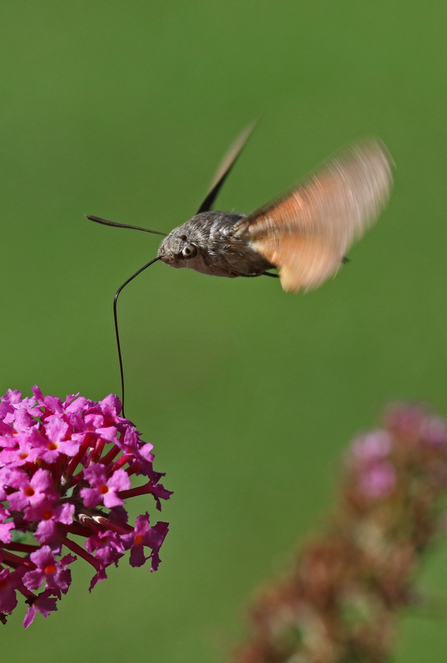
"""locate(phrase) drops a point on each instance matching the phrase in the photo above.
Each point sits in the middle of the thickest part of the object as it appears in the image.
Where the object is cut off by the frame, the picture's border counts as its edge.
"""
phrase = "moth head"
(176, 250)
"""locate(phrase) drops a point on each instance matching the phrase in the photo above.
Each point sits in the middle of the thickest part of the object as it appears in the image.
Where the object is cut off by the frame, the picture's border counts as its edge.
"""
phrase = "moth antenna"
(115, 316)
(98, 219)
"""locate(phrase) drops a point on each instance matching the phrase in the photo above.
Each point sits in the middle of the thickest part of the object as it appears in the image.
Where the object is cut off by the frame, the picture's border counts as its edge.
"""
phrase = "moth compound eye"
(189, 251)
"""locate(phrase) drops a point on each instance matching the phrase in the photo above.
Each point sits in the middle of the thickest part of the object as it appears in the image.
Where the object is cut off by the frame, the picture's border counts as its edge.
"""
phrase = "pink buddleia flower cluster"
(65, 470)
(340, 600)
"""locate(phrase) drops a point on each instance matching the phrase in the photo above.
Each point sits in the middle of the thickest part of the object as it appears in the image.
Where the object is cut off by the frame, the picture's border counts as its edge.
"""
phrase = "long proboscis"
(97, 219)
(115, 316)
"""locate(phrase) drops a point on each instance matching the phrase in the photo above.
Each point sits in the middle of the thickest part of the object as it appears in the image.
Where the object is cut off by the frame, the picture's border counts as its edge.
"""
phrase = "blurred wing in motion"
(306, 232)
(225, 167)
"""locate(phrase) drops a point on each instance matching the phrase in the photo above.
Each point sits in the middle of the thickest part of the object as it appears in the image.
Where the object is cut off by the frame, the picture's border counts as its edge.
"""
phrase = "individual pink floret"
(49, 570)
(56, 440)
(22, 451)
(10, 581)
(44, 603)
(48, 516)
(31, 491)
(107, 546)
(104, 490)
(143, 535)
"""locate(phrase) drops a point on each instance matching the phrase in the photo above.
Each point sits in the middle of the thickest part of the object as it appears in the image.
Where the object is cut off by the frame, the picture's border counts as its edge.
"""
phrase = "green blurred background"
(123, 110)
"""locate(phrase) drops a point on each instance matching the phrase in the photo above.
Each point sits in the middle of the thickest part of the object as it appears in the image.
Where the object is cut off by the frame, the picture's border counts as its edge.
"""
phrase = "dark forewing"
(225, 167)
(306, 232)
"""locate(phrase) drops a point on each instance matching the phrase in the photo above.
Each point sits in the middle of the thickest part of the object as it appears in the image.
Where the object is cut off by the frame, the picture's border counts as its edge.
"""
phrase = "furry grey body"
(223, 248)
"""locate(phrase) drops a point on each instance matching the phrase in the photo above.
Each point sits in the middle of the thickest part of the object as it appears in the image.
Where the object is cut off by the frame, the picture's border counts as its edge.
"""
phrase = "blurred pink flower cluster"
(65, 472)
(340, 600)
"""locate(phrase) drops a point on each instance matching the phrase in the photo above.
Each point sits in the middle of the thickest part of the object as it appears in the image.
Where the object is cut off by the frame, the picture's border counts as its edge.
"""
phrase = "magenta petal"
(5, 532)
(29, 617)
(64, 513)
(111, 500)
(12, 396)
(69, 447)
(91, 497)
(17, 479)
(94, 420)
(54, 404)
(107, 547)
(141, 524)
(8, 600)
(38, 394)
(6, 429)
(146, 452)
(152, 537)
(137, 557)
(42, 480)
(155, 536)
(61, 580)
(108, 433)
(18, 501)
(160, 493)
(155, 558)
(4, 513)
(131, 441)
(45, 603)
(33, 579)
(96, 474)
(110, 405)
(23, 420)
(56, 428)
(119, 481)
(43, 557)
(46, 531)
(101, 575)
(78, 405)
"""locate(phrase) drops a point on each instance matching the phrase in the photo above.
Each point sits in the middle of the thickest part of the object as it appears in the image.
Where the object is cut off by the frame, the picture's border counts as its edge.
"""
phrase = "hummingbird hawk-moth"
(304, 233)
